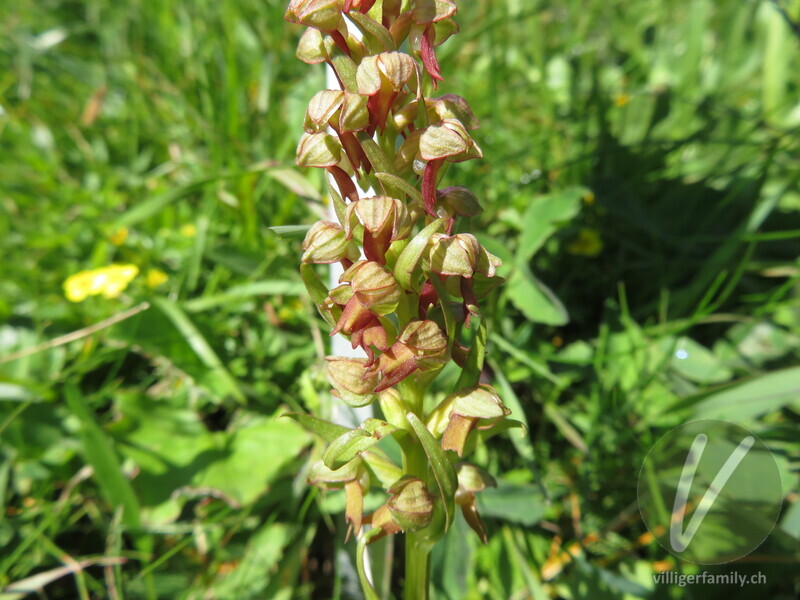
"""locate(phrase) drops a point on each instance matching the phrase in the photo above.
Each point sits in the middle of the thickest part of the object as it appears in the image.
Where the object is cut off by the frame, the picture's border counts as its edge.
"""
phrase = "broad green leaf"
(409, 257)
(694, 361)
(325, 429)
(442, 468)
(543, 217)
(523, 504)
(264, 551)
(355, 441)
(534, 299)
(753, 397)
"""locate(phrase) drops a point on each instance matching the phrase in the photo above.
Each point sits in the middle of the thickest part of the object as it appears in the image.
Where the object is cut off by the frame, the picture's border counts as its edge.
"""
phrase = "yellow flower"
(109, 281)
(621, 100)
(119, 236)
(155, 277)
(588, 198)
(588, 243)
(188, 230)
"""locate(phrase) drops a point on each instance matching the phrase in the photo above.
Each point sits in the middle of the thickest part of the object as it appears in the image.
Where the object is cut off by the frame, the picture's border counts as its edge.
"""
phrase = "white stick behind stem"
(340, 412)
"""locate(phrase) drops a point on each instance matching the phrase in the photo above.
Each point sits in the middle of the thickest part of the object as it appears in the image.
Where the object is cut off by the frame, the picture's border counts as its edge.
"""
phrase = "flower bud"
(326, 243)
(322, 106)
(459, 201)
(472, 479)
(451, 106)
(392, 69)
(353, 477)
(461, 255)
(325, 15)
(385, 220)
(353, 115)
(374, 286)
(448, 139)
(343, 111)
(432, 11)
(318, 150)
(427, 342)
(353, 382)
(476, 407)
(411, 504)
(314, 48)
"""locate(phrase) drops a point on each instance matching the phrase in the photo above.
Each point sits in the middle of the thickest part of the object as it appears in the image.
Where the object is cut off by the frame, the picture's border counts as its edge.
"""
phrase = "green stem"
(415, 463)
(418, 568)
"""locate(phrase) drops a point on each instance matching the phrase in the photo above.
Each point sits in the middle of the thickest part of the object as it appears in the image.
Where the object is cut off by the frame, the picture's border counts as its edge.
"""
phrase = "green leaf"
(543, 217)
(245, 291)
(325, 429)
(199, 345)
(442, 468)
(351, 444)
(523, 504)
(382, 468)
(753, 397)
(100, 454)
(521, 443)
(694, 361)
(376, 157)
(400, 183)
(447, 310)
(471, 373)
(290, 231)
(534, 299)
(409, 257)
(314, 285)
(294, 182)
(373, 31)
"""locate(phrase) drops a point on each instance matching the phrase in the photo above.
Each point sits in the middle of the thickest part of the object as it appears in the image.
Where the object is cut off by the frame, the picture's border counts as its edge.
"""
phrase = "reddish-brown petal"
(338, 38)
(429, 55)
(354, 317)
(429, 185)
(397, 363)
(346, 186)
(455, 436)
(470, 511)
(355, 504)
(427, 298)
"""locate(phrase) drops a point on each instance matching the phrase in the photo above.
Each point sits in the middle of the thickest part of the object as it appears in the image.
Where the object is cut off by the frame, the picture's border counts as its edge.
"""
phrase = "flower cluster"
(412, 278)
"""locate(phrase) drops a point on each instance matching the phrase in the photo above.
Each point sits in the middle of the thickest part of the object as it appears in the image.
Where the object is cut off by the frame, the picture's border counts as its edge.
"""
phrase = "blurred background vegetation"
(640, 184)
